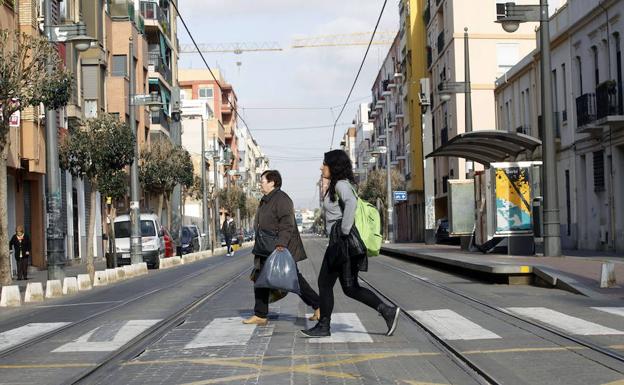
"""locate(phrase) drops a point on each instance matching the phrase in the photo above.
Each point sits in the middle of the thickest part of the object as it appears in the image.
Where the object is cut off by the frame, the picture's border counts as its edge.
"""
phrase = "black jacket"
(346, 252)
(229, 229)
(276, 213)
(20, 248)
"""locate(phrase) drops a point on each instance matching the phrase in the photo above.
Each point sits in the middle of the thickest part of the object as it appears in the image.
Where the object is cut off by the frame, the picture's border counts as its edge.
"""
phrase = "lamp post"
(152, 100)
(445, 89)
(217, 214)
(74, 33)
(514, 15)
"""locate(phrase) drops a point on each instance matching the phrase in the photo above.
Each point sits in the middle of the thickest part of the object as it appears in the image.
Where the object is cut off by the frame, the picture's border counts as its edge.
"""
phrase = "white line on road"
(452, 326)
(24, 333)
(613, 310)
(572, 325)
(223, 332)
(345, 327)
(119, 336)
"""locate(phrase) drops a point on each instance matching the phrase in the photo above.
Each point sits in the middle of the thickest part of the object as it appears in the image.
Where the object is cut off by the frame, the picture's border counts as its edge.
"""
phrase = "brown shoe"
(254, 320)
(316, 316)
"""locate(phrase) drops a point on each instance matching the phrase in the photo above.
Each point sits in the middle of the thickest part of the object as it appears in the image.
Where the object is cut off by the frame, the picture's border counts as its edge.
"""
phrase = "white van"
(153, 242)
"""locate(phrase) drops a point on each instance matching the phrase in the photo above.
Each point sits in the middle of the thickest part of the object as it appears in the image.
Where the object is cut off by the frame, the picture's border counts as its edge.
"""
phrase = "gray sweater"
(332, 209)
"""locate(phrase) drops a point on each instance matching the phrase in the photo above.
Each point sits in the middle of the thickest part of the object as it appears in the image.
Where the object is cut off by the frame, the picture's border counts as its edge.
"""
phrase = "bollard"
(53, 288)
(607, 275)
(100, 279)
(84, 282)
(70, 285)
(111, 275)
(10, 296)
(121, 273)
(34, 292)
(129, 271)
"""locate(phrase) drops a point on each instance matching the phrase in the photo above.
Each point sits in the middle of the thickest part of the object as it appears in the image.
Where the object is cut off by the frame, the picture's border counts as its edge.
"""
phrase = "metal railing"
(156, 60)
(161, 118)
(606, 99)
(440, 45)
(585, 109)
(152, 11)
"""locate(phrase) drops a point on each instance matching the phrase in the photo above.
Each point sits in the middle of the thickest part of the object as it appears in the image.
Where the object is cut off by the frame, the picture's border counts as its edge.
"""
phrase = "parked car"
(249, 235)
(189, 243)
(169, 252)
(442, 233)
(153, 243)
(200, 237)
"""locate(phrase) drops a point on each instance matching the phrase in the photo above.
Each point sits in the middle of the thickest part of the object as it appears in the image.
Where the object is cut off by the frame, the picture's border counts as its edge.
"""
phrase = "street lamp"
(514, 15)
(445, 89)
(154, 103)
(74, 33)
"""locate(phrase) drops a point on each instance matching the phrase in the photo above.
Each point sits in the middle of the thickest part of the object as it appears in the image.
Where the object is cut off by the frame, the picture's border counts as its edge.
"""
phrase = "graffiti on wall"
(513, 199)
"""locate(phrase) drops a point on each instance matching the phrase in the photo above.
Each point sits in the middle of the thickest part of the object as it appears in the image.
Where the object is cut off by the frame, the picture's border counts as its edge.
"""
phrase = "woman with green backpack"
(346, 254)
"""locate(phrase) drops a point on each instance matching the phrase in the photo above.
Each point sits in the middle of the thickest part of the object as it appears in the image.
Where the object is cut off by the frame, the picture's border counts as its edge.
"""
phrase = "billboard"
(461, 205)
(513, 195)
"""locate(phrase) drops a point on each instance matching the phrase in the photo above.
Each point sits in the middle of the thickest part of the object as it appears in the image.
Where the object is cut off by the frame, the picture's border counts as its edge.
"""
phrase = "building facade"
(588, 115)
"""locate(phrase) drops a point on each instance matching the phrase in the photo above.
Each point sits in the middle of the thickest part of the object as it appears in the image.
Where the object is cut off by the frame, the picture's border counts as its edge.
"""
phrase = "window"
(182, 95)
(205, 93)
(579, 67)
(596, 65)
(120, 66)
(599, 173)
(564, 85)
(506, 56)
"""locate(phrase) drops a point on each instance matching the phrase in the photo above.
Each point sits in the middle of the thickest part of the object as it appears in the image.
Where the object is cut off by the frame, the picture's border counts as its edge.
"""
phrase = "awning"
(488, 146)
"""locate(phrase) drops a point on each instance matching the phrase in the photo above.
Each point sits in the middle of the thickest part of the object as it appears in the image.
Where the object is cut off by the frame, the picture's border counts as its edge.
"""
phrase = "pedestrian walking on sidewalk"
(276, 229)
(20, 242)
(229, 230)
(345, 255)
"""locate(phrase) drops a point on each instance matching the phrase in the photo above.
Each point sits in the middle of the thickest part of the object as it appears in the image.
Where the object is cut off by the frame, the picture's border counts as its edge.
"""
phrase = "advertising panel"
(461, 207)
(513, 196)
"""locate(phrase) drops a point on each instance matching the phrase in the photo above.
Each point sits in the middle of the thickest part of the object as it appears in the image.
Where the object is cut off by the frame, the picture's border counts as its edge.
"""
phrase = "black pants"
(327, 279)
(228, 244)
(308, 295)
(22, 268)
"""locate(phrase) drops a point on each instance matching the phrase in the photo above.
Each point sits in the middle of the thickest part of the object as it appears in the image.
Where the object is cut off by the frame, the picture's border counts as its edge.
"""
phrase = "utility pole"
(136, 253)
(389, 182)
(176, 138)
(54, 234)
(468, 88)
(206, 226)
(215, 158)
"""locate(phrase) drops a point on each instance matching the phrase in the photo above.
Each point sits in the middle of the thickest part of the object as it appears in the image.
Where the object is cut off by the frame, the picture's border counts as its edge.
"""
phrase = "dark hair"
(273, 176)
(226, 214)
(340, 167)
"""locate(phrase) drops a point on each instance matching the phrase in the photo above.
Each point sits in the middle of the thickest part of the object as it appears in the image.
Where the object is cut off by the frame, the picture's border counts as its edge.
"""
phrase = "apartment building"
(347, 143)
(588, 116)
(492, 53)
(363, 131)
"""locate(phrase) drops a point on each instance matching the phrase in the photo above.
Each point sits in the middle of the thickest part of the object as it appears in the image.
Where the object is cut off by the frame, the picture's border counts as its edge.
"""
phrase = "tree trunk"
(160, 206)
(5, 262)
(169, 211)
(90, 235)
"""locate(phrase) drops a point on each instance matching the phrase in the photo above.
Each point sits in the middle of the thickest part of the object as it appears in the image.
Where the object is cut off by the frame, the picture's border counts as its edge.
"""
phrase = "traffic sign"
(400, 195)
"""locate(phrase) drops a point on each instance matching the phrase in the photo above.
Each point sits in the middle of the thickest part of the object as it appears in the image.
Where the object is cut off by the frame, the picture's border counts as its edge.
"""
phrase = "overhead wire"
(188, 31)
(358, 73)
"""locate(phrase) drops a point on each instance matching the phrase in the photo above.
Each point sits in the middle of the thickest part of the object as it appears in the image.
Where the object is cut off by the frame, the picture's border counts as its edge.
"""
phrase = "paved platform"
(575, 271)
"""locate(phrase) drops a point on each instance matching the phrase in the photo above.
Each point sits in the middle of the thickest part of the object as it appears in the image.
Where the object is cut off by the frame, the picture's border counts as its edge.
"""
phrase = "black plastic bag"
(279, 272)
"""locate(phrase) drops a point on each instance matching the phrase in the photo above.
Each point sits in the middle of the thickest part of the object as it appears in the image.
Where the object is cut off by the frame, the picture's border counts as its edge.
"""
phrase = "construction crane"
(236, 48)
(343, 40)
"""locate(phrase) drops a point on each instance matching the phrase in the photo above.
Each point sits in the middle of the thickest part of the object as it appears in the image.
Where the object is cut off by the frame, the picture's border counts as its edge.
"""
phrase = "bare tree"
(24, 82)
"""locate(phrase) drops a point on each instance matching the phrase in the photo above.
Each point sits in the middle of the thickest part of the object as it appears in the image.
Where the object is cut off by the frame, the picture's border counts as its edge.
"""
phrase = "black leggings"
(326, 281)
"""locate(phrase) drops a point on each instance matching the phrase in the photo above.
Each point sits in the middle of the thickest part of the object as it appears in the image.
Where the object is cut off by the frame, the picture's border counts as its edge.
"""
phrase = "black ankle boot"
(321, 329)
(391, 315)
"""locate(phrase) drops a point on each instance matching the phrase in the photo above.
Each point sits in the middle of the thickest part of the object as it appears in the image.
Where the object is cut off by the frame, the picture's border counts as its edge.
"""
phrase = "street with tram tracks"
(183, 326)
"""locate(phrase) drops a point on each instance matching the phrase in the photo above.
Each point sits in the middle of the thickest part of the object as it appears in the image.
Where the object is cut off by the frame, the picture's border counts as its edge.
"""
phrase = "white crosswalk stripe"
(27, 332)
(561, 321)
(107, 338)
(345, 327)
(612, 310)
(451, 326)
(223, 332)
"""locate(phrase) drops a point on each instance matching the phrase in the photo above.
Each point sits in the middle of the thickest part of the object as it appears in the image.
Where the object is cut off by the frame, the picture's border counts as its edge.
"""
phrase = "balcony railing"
(156, 60)
(606, 100)
(161, 118)
(429, 57)
(151, 11)
(427, 14)
(585, 109)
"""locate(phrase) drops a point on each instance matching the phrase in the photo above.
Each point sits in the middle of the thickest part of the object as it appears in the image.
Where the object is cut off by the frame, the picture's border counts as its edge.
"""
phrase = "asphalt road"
(211, 346)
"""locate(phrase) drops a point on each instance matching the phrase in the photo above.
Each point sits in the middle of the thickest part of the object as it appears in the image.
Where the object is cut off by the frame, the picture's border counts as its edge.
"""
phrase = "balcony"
(399, 112)
(586, 114)
(427, 14)
(385, 90)
(608, 112)
(429, 57)
(124, 10)
(161, 119)
(440, 44)
(156, 63)
(154, 15)
(391, 84)
(392, 122)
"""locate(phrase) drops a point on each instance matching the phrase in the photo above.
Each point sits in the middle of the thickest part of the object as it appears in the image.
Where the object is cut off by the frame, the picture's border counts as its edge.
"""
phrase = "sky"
(292, 88)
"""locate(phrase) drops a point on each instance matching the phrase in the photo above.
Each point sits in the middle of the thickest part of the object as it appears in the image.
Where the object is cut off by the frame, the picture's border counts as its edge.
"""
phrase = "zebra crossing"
(346, 328)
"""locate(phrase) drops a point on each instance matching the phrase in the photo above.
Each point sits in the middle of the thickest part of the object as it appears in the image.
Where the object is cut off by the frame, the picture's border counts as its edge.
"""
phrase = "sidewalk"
(37, 275)
(580, 270)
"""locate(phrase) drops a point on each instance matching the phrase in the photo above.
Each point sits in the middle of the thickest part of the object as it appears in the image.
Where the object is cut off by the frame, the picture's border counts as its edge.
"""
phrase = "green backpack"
(368, 224)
